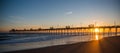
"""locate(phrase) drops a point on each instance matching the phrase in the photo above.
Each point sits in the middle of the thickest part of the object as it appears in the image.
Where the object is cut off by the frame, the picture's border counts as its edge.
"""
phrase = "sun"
(97, 30)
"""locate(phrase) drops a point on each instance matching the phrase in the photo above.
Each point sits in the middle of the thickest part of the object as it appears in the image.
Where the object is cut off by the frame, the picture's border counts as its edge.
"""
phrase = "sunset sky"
(20, 14)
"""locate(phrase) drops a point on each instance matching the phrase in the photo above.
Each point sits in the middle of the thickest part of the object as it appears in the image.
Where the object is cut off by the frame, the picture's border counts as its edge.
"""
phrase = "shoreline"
(106, 45)
(33, 45)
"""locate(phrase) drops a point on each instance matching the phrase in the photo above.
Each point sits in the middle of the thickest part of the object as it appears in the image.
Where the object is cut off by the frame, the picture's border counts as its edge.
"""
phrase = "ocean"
(22, 41)
(11, 38)
(8, 38)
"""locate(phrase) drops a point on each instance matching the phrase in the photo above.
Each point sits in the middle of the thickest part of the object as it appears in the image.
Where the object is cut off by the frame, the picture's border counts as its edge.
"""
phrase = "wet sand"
(105, 45)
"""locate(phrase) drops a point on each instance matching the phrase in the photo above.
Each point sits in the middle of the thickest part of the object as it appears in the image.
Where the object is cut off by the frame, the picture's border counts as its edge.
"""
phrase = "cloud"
(69, 13)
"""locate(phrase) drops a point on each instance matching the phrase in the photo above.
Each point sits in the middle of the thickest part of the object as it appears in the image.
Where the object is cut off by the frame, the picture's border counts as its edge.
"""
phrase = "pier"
(90, 30)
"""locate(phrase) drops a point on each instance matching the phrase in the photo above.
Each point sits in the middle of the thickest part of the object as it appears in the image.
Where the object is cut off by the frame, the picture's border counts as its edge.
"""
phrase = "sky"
(20, 14)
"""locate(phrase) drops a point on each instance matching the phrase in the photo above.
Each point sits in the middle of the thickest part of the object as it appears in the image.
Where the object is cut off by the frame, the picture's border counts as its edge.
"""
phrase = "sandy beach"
(105, 45)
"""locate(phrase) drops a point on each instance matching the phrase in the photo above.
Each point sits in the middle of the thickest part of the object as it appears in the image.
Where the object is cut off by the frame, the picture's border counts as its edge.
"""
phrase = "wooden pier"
(73, 30)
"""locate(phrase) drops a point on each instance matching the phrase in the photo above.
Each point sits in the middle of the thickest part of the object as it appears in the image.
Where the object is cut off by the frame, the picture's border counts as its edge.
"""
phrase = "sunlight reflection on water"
(97, 37)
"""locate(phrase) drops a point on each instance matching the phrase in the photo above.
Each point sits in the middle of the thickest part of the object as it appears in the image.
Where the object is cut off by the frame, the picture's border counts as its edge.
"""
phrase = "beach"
(104, 45)
(60, 26)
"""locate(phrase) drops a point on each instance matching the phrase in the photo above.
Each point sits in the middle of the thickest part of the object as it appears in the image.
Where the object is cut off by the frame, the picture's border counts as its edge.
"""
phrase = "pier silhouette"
(71, 30)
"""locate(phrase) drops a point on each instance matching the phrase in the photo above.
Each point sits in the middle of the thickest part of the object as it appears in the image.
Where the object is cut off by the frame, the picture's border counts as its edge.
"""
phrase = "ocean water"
(8, 38)
(13, 42)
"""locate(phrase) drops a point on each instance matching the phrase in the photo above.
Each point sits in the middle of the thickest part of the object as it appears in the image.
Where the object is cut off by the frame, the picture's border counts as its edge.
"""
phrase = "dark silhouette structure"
(70, 30)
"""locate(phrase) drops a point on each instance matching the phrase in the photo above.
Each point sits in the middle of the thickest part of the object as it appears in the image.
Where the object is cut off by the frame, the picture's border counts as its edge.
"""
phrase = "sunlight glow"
(97, 37)
(96, 30)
